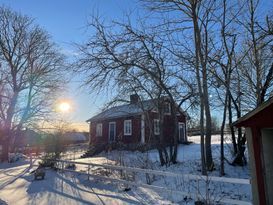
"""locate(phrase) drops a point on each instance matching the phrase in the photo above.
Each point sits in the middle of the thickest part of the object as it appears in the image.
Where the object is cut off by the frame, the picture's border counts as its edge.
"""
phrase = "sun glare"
(64, 107)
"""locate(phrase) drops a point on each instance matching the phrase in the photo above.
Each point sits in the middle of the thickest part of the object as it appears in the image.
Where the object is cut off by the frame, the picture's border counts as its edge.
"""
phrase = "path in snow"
(17, 187)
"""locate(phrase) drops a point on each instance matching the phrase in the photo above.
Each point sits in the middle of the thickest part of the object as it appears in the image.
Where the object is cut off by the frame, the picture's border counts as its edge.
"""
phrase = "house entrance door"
(181, 131)
(112, 131)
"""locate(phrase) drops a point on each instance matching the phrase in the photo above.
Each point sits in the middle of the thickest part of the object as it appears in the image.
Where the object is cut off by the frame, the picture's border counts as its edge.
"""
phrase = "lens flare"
(64, 107)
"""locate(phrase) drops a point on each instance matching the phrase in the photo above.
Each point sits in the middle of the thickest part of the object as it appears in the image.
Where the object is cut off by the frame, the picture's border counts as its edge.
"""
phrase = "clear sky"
(65, 21)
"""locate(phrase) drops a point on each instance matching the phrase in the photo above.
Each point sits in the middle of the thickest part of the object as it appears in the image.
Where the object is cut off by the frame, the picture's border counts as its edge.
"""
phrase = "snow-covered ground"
(18, 187)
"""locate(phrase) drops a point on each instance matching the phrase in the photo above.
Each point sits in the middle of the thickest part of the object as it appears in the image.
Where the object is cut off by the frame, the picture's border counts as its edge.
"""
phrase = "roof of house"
(125, 110)
(254, 112)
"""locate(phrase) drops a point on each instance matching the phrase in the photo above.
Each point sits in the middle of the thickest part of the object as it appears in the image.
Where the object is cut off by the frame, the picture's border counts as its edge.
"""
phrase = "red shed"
(259, 133)
(134, 122)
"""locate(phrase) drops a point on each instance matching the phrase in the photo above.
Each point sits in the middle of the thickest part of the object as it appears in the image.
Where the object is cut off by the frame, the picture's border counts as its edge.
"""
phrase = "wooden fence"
(185, 177)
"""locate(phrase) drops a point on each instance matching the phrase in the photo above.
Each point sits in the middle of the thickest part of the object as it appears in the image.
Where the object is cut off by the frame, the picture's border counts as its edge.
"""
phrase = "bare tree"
(220, 54)
(258, 64)
(30, 73)
(198, 17)
(253, 72)
(223, 64)
(135, 61)
(247, 74)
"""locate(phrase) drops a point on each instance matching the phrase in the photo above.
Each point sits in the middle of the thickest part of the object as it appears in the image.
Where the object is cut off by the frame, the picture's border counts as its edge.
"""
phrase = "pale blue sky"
(65, 21)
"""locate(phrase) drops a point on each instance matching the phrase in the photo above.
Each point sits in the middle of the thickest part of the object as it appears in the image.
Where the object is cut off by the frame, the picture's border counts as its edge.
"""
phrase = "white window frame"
(156, 127)
(129, 131)
(99, 130)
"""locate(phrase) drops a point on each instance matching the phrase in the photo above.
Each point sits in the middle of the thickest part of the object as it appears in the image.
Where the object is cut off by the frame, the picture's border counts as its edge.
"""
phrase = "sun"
(64, 107)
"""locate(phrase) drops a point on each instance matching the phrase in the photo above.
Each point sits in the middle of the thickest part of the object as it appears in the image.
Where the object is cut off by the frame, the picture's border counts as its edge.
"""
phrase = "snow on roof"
(124, 110)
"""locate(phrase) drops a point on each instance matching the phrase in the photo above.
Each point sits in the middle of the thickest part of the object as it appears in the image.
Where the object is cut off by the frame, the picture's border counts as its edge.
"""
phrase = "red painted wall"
(134, 138)
(263, 119)
(168, 130)
(257, 147)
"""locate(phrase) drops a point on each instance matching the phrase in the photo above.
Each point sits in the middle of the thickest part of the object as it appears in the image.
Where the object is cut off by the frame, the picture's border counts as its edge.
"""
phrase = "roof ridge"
(125, 105)
(118, 109)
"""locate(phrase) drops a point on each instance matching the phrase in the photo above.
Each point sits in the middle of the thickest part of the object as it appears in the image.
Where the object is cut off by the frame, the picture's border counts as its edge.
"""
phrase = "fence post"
(88, 171)
(62, 166)
(31, 163)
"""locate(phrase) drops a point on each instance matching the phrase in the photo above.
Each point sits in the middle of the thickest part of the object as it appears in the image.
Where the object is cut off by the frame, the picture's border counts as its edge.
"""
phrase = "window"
(167, 108)
(127, 127)
(156, 127)
(99, 130)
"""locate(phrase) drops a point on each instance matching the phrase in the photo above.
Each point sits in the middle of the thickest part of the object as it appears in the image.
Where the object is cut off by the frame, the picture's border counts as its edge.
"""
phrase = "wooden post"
(62, 166)
(30, 164)
(88, 171)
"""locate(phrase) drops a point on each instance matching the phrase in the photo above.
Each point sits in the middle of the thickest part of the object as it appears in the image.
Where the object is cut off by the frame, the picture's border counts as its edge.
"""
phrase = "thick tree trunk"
(204, 88)
(163, 153)
(240, 158)
(8, 125)
(222, 155)
(200, 90)
(232, 131)
(161, 158)
(173, 155)
(209, 161)
(202, 143)
(5, 154)
(202, 138)
(5, 150)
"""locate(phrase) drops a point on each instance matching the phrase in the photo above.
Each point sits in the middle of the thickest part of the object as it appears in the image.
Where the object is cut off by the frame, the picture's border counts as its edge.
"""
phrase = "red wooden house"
(136, 122)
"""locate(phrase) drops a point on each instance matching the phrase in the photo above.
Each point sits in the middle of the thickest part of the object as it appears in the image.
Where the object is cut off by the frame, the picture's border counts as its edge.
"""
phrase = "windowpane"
(99, 129)
(156, 127)
(127, 127)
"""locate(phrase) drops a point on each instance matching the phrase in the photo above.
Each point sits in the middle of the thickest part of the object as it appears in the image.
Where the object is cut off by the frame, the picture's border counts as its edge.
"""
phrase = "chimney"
(134, 99)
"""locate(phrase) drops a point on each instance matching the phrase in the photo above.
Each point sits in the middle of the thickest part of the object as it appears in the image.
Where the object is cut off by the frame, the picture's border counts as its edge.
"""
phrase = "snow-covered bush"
(71, 166)
(48, 160)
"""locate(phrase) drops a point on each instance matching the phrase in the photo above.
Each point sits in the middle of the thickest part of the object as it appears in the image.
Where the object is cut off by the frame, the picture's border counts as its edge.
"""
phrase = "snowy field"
(17, 185)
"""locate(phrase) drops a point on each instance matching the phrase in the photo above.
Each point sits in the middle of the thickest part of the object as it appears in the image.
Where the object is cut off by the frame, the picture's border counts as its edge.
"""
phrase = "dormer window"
(167, 108)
